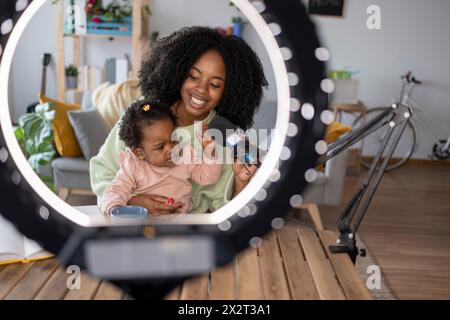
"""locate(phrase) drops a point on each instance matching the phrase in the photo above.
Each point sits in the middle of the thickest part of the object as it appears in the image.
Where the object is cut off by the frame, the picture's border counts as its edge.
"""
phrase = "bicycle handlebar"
(414, 80)
(409, 78)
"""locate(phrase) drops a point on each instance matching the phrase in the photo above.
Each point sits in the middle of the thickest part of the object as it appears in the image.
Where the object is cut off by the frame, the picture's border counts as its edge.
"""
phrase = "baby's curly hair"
(164, 71)
(140, 114)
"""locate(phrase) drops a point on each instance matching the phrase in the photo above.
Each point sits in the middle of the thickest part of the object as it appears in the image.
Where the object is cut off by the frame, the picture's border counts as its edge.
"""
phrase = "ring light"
(164, 247)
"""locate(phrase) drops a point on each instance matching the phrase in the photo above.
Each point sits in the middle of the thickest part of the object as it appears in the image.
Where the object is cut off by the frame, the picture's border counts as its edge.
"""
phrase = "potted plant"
(71, 76)
(35, 136)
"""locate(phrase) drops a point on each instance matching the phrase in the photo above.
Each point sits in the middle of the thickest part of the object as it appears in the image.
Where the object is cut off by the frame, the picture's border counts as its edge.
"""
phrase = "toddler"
(147, 166)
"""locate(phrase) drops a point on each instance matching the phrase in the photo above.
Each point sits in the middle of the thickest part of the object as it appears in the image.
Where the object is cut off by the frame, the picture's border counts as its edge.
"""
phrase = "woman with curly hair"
(200, 74)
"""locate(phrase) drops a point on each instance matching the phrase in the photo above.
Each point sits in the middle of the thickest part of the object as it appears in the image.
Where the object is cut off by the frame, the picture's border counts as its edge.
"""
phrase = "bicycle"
(407, 145)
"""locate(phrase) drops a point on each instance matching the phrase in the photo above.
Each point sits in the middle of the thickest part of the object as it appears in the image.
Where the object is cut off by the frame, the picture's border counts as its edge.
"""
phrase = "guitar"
(46, 59)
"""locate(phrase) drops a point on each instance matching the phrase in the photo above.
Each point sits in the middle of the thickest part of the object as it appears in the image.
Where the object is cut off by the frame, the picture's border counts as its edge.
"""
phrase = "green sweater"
(105, 165)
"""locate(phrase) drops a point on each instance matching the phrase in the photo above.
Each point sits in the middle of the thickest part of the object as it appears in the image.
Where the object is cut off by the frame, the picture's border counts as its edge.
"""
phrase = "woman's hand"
(155, 204)
(242, 175)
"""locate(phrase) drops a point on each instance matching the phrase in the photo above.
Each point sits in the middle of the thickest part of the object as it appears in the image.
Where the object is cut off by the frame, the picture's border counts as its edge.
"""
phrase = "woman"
(199, 73)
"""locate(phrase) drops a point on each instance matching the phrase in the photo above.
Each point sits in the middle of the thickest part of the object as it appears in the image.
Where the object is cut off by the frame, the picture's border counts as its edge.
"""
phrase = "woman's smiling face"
(203, 88)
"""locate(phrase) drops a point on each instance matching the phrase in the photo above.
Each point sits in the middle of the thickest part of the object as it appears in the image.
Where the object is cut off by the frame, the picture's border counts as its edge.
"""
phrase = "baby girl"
(147, 167)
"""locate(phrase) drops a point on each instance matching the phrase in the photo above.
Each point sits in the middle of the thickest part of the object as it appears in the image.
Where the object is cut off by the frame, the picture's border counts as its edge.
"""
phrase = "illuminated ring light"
(298, 63)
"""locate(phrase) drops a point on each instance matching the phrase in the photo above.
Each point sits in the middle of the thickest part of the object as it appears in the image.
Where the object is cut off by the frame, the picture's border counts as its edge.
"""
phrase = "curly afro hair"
(164, 71)
(138, 116)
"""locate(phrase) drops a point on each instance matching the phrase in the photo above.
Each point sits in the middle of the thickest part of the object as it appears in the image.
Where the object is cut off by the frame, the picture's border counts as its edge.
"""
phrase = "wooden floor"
(291, 263)
(407, 229)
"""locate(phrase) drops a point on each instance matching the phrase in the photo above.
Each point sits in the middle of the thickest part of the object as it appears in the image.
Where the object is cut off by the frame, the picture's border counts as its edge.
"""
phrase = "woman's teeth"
(198, 102)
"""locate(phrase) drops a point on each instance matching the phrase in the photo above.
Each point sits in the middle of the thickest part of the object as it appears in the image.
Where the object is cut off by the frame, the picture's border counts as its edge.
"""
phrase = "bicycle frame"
(405, 98)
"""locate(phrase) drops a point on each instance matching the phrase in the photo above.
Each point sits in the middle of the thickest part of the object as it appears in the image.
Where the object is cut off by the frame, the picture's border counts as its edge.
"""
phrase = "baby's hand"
(204, 137)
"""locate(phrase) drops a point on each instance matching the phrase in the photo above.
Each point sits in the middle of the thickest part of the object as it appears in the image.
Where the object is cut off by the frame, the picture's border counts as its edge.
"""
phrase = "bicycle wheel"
(439, 151)
(372, 143)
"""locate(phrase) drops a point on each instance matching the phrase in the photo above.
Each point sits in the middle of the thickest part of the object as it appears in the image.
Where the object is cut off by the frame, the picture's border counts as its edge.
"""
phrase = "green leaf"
(20, 135)
(30, 148)
(49, 182)
(44, 107)
(40, 159)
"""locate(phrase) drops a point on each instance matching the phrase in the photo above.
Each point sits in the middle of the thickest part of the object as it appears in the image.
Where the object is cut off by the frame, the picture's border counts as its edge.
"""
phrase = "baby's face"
(157, 145)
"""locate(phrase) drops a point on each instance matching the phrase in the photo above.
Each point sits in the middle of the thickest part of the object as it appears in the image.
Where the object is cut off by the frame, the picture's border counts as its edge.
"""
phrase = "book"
(15, 247)
(95, 77)
(75, 19)
(116, 70)
(121, 70)
(80, 17)
(69, 16)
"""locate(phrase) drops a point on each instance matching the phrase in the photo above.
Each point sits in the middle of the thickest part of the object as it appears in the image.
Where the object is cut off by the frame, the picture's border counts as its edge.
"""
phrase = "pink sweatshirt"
(140, 177)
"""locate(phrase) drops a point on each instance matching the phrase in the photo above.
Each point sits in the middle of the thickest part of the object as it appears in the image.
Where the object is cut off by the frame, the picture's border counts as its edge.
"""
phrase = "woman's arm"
(119, 192)
(105, 165)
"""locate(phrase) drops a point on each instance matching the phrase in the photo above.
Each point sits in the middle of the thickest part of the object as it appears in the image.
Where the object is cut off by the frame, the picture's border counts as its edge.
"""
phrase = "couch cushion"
(111, 100)
(65, 141)
(71, 164)
(335, 130)
(90, 129)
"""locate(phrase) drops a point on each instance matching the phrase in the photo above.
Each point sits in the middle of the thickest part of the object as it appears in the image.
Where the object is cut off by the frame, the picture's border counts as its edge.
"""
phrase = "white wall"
(414, 36)
(25, 80)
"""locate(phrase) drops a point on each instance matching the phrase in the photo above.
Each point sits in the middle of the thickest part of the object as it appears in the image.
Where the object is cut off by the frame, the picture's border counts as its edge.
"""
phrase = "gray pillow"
(86, 101)
(90, 129)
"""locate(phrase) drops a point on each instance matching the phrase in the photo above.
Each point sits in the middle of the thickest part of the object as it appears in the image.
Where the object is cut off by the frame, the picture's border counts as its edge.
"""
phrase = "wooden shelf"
(96, 36)
(140, 45)
(74, 91)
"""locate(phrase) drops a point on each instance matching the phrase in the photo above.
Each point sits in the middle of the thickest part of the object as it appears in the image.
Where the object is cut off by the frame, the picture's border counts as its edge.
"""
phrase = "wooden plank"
(322, 273)
(108, 291)
(415, 265)
(136, 37)
(195, 288)
(299, 276)
(30, 284)
(222, 282)
(273, 275)
(56, 286)
(88, 288)
(11, 275)
(346, 272)
(248, 276)
(59, 63)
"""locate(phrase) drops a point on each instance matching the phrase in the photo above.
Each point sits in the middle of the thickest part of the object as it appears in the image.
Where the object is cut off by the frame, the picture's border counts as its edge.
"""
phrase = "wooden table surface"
(291, 263)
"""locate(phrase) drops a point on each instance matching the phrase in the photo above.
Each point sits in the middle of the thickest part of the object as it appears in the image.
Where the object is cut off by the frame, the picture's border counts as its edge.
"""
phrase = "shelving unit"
(140, 45)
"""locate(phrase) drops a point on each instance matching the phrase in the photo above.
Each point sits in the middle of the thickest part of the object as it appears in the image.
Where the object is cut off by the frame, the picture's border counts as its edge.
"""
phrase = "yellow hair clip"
(146, 107)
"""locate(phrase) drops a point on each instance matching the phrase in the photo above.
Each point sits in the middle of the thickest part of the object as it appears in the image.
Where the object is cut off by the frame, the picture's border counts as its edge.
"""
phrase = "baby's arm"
(119, 192)
(207, 172)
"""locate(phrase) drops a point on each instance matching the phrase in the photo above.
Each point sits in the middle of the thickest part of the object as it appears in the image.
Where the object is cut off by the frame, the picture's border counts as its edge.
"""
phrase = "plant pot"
(71, 82)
